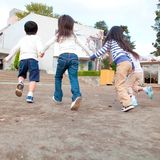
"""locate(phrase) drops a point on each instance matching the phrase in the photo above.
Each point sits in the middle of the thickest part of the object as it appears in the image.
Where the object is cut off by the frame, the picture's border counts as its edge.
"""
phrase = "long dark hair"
(65, 26)
(116, 33)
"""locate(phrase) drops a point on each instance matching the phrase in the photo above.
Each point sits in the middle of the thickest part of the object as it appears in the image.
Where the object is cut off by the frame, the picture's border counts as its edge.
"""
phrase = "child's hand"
(41, 55)
(5, 60)
(93, 57)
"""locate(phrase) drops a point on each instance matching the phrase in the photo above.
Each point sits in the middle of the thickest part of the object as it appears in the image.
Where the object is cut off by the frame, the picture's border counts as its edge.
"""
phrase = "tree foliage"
(37, 8)
(101, 25)
(156, 27)
(128, 37)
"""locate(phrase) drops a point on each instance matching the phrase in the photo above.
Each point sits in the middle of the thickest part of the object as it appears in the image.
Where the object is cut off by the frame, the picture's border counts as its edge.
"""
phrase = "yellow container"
(106, 76)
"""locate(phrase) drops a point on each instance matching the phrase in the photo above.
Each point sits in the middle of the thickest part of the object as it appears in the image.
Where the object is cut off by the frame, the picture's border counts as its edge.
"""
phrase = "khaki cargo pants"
(123, 69)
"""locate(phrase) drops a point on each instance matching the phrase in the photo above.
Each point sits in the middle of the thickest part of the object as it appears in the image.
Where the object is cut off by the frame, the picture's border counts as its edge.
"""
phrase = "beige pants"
(122, 71)
(134, 80)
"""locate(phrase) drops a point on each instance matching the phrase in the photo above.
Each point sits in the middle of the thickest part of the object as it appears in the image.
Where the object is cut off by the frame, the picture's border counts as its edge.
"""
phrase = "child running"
(29, 46)
(135, 80)
(119, 49)
(67, 59)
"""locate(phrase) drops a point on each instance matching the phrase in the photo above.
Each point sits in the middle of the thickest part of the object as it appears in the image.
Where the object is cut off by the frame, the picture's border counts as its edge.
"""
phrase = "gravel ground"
(97, 131)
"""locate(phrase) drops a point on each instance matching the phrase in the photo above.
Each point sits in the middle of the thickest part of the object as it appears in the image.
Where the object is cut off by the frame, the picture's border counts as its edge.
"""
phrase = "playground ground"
(97, 131)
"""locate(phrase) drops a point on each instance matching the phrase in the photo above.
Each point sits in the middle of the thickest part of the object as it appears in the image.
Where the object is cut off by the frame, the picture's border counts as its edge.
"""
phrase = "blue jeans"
(67, 61)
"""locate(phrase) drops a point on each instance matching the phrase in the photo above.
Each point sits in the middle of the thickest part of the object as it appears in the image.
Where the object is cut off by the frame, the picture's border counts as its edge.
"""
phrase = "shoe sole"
(19, 90)
(127, 108)
(76, 106)
(29, 101)
(56, 102)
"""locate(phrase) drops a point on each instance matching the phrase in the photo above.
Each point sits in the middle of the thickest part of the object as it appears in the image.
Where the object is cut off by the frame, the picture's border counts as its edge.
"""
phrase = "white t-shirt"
(66, 45)
(29, 46)
(136, 63)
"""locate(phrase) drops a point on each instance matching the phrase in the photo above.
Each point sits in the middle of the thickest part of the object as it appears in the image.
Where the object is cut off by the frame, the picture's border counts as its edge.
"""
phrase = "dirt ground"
(97, 131)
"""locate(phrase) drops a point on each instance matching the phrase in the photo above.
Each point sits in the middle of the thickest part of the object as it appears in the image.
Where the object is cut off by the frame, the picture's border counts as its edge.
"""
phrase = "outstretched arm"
(13, 51)
(105, 49)
(84, 47)
(40, 47)
(48, 44)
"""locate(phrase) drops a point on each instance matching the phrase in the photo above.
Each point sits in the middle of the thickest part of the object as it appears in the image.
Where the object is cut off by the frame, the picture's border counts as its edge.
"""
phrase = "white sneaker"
(76, 104)
(57, 102)
(126, 109)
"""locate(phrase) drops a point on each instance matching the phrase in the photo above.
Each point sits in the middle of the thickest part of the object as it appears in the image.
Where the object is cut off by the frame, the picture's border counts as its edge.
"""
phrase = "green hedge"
(89, 73)
(106, 65)
(16, 60)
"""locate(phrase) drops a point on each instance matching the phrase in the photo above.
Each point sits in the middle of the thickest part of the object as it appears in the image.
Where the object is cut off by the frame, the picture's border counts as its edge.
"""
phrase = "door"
(1, 64)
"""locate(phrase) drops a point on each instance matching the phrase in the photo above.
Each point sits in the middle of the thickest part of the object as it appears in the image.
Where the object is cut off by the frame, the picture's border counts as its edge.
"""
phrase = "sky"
(138, 15)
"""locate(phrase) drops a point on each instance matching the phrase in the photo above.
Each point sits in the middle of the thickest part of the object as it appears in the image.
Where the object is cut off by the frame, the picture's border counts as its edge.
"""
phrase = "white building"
(12, 16)
(47, 27)
(151, 72)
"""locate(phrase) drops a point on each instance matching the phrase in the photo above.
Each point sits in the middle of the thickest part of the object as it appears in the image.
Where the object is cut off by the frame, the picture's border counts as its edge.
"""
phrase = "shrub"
(89, 73)
(16, 60)
(107, 65)
(12, 68)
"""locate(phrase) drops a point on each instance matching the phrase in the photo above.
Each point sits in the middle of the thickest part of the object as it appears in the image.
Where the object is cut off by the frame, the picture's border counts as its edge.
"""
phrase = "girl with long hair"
(119, 49)
(67, 59)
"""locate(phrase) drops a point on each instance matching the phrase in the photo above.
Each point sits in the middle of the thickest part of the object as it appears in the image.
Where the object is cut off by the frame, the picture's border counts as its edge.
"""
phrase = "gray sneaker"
(76, 104)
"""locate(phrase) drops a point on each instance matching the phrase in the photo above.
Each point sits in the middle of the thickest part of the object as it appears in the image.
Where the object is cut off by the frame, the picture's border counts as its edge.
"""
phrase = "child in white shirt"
(135, 81)
(68, 59)
(30, 47)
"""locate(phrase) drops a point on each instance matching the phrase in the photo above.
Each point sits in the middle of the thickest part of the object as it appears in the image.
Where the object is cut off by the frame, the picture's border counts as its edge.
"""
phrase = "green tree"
(15, 64)
(37, 8)
(128, 37)
(101, 25)
(156, 27)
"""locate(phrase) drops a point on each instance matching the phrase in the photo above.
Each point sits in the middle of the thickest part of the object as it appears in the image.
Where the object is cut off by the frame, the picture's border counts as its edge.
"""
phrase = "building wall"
(151, 72)
(47, 27)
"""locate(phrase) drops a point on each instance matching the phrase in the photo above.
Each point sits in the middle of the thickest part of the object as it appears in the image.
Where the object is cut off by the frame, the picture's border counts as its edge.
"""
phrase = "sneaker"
(134, 101)
(149, 91)
(29, 99)
(76, 104)
(126, 109)
(19, 89)
(57, 102)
